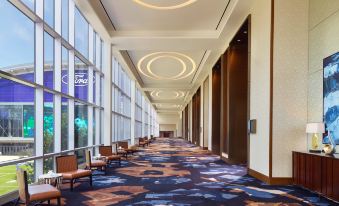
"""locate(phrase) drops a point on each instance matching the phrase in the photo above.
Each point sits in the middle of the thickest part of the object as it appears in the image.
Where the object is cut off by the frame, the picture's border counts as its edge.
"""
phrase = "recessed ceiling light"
(160, 94)
(152, 6)
(245, 32)
(238, 40)
(181, 58)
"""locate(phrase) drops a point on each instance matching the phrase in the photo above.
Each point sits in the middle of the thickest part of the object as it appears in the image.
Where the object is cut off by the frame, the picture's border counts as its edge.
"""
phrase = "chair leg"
(49, 202)
(59, 201)
(17, 201)
(91, 180)
(71, 184)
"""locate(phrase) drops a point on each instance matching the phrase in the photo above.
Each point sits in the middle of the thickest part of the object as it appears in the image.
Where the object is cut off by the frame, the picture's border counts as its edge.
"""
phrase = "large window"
(64, 124)
(81, 33)
(16, 42)
(121, 100)
(80, 125)
(81, 80)
(16, 118)
(48, 61)
(138, 113)
(64, 18)
(49, 12)
(48, 123)
(64, 70)
(37, 121)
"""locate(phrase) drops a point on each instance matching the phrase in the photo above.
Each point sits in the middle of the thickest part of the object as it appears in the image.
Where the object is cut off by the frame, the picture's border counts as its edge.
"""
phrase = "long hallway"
(175, 172)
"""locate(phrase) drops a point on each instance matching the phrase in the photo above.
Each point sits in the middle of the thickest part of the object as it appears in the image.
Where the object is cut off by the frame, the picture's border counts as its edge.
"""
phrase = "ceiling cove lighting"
(152, 6)
(176, 94)
(181, 58)
(168, 106)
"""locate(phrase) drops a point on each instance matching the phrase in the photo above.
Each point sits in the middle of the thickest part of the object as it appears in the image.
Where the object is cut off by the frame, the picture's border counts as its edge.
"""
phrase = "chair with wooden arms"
(124, 146)
(67, 165)
(142, 142)
(94, 164)
(130, 150)
(35, 193)
(108, 153)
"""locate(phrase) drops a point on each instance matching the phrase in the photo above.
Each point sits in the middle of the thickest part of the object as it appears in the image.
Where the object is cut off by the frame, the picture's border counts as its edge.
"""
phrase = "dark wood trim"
(281, 181)
(270, 180)
(271, 92)
(258, 175)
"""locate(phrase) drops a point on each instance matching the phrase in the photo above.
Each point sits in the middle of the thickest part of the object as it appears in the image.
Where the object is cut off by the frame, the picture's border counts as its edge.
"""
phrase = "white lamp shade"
(316, 127)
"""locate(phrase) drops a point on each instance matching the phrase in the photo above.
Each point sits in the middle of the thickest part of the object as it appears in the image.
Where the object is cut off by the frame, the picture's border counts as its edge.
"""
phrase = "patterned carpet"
(174, 172)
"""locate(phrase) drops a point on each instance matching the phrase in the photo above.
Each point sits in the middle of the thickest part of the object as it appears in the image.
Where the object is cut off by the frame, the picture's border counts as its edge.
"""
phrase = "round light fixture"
(168, 106)
(181, 58)
(183, 70)
(177, 94)
(152, 6)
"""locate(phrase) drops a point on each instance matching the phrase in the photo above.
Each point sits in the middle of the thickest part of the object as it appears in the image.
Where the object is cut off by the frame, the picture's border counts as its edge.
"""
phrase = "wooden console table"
(317, 172)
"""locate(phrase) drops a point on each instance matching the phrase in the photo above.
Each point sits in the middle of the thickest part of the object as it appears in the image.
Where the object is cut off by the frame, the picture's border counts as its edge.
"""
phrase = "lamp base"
(314, 151)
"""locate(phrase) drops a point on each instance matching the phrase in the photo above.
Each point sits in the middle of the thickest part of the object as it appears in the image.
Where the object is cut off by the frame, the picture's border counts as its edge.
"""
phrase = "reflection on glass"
(65, 18)
(94, 87)
(48, 122)
(94, 126)
(64, 72)
(102, 56)
(94, 47)
(80, 125)
(81, 33)
(48, 61)
(29, 3)
(49, 12)
(16, 120)
(16, 42)
(81, 80)
(64, 123)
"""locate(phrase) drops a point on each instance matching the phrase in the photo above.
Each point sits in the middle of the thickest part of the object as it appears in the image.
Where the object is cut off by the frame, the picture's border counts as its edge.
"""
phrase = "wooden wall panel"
(317, 172)
(216, 89)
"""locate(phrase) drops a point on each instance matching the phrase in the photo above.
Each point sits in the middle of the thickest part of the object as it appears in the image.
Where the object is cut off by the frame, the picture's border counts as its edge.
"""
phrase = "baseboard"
(258, 175)
(281, 181)
(272, 180)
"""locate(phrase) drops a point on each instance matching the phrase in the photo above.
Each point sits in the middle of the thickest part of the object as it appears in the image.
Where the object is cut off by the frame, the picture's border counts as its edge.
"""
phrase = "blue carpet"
(174, 172)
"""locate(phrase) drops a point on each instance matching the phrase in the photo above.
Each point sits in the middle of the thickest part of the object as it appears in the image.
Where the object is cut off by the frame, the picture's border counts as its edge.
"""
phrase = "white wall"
(168, 127)
(290, 65)
(260, 84)
(323, 42)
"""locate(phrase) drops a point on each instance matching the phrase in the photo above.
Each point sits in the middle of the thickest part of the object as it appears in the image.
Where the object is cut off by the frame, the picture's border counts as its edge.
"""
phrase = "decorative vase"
(329, 149)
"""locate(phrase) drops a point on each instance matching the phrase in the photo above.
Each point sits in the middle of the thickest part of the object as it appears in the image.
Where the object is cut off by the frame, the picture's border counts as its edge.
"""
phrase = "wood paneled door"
(216, 91)
(196, 116)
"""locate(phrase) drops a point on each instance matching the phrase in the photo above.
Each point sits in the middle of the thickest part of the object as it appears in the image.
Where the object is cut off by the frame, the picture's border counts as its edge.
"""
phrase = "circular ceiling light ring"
(178, 94)
(149, 69)
(161, 53)
(152, 6)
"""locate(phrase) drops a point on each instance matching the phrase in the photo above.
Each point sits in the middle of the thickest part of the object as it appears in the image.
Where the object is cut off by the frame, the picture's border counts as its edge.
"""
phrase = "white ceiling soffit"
(133, 15)
(169, 45)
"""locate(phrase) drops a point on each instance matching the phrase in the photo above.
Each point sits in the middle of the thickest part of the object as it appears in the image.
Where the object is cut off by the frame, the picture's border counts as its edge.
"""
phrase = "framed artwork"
(331, 97)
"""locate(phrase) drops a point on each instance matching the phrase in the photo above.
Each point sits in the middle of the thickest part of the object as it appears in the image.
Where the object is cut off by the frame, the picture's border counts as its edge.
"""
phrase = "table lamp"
(315, 128)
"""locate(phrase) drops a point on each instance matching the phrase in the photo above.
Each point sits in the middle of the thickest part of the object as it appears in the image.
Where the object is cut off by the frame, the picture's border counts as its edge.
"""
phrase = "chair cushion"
(114, 157)
(43, 192)
(76, 174)
(98, 163)
(122, 152)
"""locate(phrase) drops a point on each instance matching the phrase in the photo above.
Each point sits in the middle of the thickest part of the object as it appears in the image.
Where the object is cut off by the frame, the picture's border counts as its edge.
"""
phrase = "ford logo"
(80, 79)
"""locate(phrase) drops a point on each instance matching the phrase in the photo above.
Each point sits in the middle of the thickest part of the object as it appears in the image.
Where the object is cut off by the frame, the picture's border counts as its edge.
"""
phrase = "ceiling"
(169, 45)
